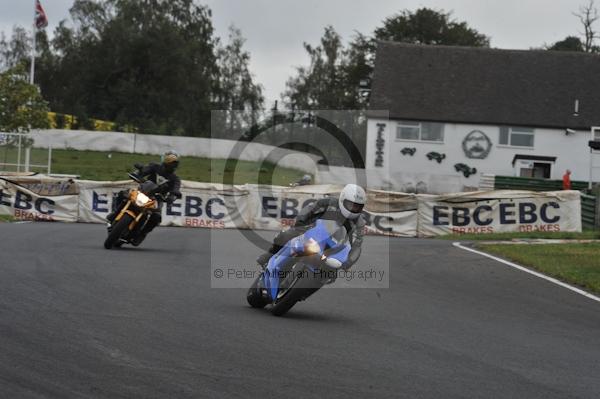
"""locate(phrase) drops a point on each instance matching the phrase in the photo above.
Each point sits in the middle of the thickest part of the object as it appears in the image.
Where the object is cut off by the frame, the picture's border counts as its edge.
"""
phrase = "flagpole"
(31, 73)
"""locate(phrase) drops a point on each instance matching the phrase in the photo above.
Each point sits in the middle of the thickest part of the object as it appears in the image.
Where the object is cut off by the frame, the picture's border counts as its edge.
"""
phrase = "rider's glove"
(171, 198)
(297, 246)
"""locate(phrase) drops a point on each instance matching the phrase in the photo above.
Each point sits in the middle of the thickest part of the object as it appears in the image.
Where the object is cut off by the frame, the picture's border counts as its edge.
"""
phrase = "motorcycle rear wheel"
(117, 231)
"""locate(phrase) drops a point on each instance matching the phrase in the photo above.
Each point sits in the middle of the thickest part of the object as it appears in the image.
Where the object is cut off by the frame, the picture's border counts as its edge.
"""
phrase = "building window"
(516, 136)
(420, 131)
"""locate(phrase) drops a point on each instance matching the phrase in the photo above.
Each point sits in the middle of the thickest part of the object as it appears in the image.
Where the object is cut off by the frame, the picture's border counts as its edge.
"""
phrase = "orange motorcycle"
(134, 214)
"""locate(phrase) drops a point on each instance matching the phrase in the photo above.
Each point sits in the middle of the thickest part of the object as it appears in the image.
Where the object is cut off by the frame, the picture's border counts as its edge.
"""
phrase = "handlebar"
(141, 180)
(135, 178)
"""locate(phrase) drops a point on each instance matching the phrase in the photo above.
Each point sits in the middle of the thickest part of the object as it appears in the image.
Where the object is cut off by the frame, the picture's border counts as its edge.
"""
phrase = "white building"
(443, 116)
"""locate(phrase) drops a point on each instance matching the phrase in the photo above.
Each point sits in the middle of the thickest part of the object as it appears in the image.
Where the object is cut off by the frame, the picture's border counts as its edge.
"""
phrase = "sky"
(276, 29)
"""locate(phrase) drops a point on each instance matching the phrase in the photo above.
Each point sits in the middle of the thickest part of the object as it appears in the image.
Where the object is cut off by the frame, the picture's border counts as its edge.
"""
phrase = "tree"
(152, 64)
(236, 89)
(427, 26)
(588, 15)
(147, 63)
(330, 82)
(21, 104)
(16, 51)
(336, 74)
(325, 83)
(570, 43)
(358, 70)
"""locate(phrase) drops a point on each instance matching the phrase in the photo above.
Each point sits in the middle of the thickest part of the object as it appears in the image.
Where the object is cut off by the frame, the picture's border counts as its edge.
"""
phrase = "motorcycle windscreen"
(148, 187)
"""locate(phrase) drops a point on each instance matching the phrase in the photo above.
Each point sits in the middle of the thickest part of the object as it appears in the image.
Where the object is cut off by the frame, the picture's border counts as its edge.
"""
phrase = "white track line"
(526, 270)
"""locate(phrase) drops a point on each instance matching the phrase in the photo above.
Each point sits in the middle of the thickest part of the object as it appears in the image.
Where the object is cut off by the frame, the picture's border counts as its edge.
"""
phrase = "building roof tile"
(487, 86)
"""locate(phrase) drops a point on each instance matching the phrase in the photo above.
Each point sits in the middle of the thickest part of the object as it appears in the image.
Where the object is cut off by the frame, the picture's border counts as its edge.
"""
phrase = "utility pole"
(32, 71)
(275, 116)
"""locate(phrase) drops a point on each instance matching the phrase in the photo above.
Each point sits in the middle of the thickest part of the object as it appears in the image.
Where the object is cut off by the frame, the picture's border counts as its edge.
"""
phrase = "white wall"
(571, 152)
(383, 179)
(187, 146)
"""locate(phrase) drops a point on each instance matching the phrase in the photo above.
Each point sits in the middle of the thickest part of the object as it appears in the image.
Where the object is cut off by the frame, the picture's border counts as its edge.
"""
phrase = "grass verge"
(585, 235)
(577, 264)
(97, 165)
(6, 218)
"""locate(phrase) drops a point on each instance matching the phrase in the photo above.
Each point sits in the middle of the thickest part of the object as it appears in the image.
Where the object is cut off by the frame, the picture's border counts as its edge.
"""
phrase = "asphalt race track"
(79, 321)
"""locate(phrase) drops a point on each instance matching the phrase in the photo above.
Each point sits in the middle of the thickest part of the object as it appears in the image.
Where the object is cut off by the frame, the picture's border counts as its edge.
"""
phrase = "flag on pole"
(41, 21)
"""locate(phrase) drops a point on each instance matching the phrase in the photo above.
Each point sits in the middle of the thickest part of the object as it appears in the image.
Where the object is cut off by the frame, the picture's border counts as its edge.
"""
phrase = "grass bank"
(6, 218)
(577, 264)
(585, 235)
(97, 165)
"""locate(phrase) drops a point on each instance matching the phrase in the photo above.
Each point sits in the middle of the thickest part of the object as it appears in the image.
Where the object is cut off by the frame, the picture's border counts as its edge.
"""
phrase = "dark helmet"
(306, 179)
(170, 161)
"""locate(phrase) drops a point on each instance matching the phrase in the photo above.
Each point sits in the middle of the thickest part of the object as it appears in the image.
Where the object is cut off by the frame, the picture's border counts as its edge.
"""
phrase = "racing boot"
(109, 220)
(263, 260)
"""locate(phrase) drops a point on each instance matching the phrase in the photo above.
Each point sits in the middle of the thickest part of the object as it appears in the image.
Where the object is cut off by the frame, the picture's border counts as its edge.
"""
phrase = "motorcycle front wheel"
(301, 288)
(117, 231)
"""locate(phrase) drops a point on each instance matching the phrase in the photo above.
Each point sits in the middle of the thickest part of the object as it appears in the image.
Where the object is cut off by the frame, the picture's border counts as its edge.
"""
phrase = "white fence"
(15, 153)
(272, 207)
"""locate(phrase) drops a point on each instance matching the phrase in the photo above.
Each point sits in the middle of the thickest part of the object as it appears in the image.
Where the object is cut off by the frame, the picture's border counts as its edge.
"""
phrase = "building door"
(533, 166)
(541, 170)
(537, 170)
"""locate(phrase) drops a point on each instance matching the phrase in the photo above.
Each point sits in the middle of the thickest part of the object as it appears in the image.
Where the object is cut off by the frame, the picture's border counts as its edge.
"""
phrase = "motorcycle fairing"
(333, 242)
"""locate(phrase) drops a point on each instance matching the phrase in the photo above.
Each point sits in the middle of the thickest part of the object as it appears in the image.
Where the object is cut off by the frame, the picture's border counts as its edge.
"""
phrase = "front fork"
(136, 216)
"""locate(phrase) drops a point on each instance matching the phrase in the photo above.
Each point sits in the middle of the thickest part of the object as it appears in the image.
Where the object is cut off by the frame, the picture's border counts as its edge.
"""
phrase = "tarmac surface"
(79, 321)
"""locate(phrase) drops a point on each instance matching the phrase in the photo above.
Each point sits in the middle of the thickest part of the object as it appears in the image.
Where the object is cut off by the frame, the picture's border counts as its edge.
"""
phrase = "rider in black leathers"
(159, 174)
(347, 210)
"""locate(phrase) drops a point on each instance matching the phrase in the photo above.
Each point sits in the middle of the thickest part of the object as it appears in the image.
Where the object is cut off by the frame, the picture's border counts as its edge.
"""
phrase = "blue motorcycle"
(300, 268)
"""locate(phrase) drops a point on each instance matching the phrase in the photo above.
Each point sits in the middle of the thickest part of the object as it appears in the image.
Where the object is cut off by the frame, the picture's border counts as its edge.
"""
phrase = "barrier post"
(27, 158)
(19, 152)
(49, 158)
(596, 194)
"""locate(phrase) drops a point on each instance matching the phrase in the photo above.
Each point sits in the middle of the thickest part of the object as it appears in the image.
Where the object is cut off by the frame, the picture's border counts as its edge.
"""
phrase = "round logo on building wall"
(477, 145)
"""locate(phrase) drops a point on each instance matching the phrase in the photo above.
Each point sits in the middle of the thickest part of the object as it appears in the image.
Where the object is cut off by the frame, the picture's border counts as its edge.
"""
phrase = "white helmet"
(352, 200)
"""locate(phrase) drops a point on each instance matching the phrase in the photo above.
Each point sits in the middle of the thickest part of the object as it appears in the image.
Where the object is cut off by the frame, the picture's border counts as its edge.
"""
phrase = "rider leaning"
(159, 174)
(347, 210)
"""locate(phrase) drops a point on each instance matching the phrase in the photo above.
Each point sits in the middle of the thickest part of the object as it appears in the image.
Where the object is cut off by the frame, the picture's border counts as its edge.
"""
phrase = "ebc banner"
(277, 208)
(499, 211)
(25, 204)
(201, 205)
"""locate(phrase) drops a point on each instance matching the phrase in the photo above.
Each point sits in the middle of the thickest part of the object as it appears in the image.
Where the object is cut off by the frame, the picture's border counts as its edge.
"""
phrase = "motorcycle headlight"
(142, 199)
(333, 263)
(311, 247)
